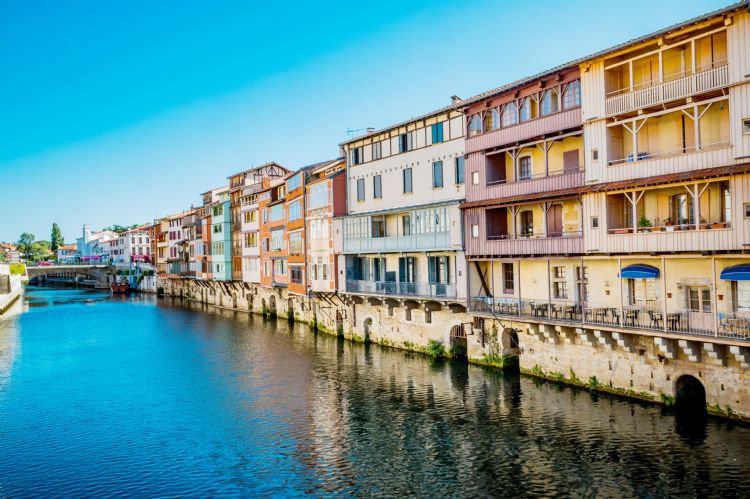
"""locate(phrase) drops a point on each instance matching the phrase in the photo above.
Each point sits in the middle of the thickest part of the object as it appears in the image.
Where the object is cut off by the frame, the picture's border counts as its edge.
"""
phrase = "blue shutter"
(432, 263)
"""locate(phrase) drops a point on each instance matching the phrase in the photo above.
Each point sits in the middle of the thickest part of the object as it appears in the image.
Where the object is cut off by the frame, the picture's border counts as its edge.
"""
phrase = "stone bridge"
(99, 276)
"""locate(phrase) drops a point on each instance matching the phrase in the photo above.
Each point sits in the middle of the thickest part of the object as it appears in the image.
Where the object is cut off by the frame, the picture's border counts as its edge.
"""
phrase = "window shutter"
(432, 261)
(401, 269)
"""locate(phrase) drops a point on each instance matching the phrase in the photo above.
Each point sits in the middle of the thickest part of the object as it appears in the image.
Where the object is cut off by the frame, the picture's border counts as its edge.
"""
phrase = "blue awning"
(736, 273)
(639, 271)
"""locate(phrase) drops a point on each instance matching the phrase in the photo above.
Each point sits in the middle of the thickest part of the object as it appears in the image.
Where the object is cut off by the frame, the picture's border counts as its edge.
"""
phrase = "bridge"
(89, 275)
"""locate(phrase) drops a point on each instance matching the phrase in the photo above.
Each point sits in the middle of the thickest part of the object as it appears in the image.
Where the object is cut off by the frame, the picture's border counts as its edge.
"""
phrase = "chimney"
(455, 99)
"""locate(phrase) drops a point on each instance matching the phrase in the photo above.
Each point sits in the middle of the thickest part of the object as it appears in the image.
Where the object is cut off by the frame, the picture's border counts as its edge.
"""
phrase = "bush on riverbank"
(435, 348)
(17, 269)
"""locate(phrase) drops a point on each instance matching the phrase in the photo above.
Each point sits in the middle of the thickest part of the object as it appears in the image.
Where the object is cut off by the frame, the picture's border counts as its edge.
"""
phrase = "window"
(427, 316)
(549, 102)
(295, 210)
(746, 125)
(437, 174)
(406, 225)
(279, 267)
(407, 269)
(459, 166)
(295, 274)
(595, 155)
(491, 120)
(377, 192)
(265, 215)
(524, 168)
(475, 230)
(572, 95)
(277, 212)
(699, 299)
(594, 222)
(405, 142)
(295, 243)
(218, 229)
(218, 210)
(360, 189)
(439, 269)
(377, 150)
(682, 209)
(475, 125)
(356, 155)
(475, 178)
(277, 239)
(559, 285)
(407, 313)
(294, 182)
(746, 206)
(726, 202)
(251, 240)
(582, 284)
(407, 180)
(318, 195)
(378, 228)
(437, 133)
(510, 114)
(508, 278)
(526, 112)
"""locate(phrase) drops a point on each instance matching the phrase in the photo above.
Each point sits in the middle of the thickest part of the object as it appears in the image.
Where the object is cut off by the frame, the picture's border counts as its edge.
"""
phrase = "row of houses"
(612, 188)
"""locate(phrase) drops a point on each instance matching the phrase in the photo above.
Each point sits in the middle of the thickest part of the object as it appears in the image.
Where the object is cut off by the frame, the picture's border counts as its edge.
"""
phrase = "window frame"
(437, 166)
(411, 180)
(360, 189)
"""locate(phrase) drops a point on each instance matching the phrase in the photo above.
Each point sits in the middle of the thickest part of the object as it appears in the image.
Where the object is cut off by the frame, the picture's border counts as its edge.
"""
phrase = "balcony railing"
(679, 87)
(670, 228)
(392, 288)
(644, 156)
(648, 316)
(418, 242)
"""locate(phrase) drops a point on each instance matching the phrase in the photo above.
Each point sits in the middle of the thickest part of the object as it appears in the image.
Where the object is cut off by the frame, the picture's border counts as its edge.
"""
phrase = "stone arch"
(272, 305)
(263, 305)
(367, 328)
(690, 395)
(290, 308)
(457, 340)
(339, 322)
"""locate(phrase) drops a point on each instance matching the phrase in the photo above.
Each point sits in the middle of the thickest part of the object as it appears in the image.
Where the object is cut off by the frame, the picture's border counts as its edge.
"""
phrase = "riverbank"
(632, 367)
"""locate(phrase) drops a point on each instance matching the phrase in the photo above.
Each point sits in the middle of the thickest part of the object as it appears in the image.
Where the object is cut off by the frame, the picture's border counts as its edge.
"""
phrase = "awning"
(736, 273)
(639, 271)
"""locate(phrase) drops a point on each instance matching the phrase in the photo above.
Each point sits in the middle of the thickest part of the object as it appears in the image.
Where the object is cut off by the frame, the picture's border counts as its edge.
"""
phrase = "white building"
(94, 245)
(402, 235)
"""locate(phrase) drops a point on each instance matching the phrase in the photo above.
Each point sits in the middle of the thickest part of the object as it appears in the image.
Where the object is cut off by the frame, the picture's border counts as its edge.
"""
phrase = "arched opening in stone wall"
(290, 309)
(272, 306)
(367, 328)
(458, 341)
(339, 323)
(690, 396)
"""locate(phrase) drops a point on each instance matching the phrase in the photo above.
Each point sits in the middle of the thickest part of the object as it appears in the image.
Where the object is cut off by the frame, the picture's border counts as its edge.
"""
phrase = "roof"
(67, 247)
(252, 169)
(615, 48)
(669, 178)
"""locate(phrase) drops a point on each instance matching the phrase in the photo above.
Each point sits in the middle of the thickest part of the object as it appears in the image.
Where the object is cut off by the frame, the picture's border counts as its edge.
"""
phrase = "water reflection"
(185, 399)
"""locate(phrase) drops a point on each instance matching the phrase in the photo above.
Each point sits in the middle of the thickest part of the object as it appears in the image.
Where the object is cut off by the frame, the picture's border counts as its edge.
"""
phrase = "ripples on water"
(108, 396)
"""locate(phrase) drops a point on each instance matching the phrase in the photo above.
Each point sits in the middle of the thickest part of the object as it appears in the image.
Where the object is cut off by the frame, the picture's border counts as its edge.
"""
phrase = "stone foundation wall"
(631, 364)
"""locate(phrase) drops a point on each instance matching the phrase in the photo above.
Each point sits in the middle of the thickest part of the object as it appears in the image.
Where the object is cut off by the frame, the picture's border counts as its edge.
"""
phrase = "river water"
(140, 396)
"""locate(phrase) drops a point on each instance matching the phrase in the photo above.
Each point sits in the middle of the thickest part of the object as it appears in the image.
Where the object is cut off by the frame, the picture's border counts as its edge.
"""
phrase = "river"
(140, 396)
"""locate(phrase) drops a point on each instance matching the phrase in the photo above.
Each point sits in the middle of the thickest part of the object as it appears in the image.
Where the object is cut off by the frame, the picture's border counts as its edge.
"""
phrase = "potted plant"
(669, 224)
(644, 224)
(718, 225)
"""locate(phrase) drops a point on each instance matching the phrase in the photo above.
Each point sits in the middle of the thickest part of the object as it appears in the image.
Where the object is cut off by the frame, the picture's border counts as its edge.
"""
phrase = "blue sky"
(119, 112)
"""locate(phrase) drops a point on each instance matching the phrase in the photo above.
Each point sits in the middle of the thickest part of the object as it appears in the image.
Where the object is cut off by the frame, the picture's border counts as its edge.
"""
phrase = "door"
(700, 308)
(554, 221)
(570, 161)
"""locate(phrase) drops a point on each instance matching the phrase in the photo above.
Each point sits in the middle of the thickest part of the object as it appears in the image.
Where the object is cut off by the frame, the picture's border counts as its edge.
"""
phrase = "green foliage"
(18, 269)
(457, 351)
(644, 222)
(56, 238)
(24, 244)
(667, 400)
(537, 371)
(121, 228)
(435, 348)
(556, 376)
(574, 378)
(593, 382)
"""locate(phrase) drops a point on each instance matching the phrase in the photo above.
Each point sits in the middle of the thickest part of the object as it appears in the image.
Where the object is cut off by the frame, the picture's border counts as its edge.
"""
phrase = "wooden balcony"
(570, 244)
(660, 93)
(670, 239)
(549, 183)
(563, 120)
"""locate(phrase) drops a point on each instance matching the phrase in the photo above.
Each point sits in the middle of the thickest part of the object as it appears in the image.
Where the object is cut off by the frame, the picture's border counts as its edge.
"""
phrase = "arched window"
(475, 125)
(572, 95)
(491, 120)
(510, 114)
(549, 102)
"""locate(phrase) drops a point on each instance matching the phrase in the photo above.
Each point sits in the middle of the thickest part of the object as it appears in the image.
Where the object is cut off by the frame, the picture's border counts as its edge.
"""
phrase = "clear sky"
(119, 112)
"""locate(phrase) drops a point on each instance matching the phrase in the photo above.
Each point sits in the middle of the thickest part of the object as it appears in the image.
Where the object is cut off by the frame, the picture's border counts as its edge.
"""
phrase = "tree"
(56, 239)
(24, 244)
